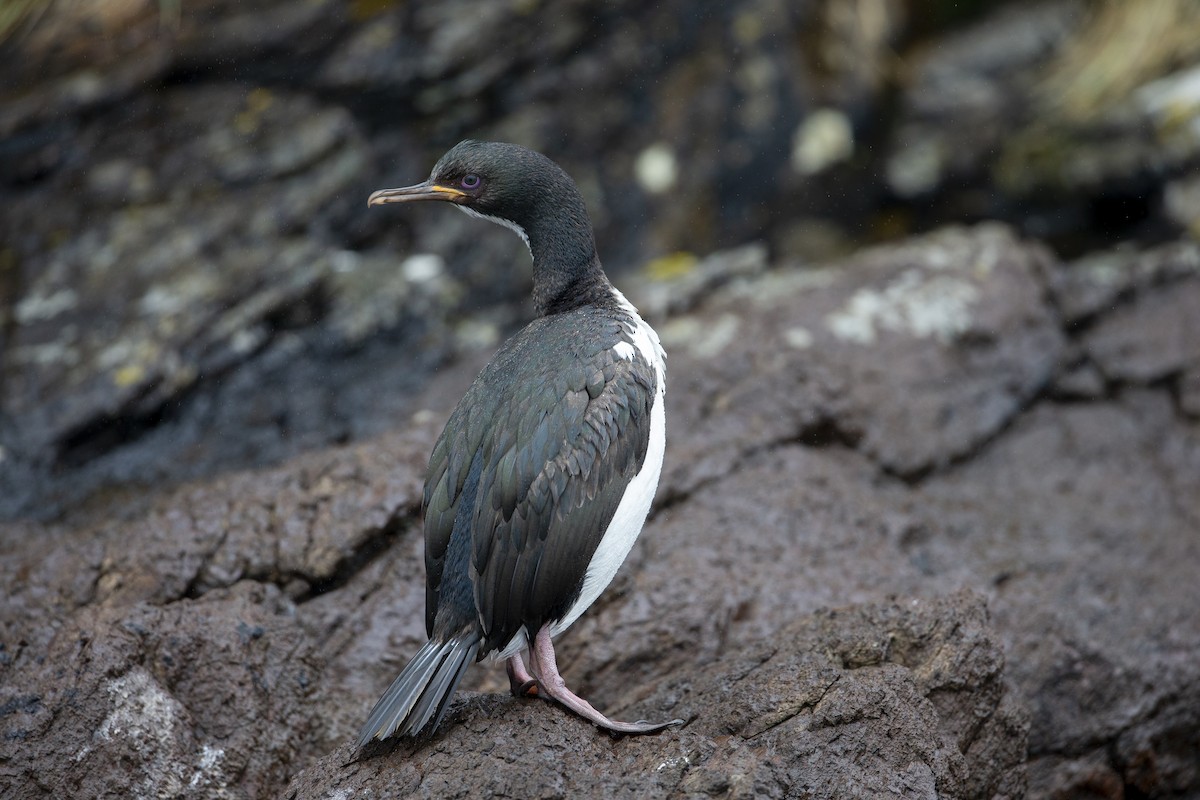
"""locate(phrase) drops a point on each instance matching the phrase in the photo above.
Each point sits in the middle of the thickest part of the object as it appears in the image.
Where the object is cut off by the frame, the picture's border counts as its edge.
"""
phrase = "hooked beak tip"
(421, 191)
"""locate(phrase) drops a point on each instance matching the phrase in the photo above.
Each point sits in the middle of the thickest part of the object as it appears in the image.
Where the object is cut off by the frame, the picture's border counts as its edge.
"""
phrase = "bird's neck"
(566, 269)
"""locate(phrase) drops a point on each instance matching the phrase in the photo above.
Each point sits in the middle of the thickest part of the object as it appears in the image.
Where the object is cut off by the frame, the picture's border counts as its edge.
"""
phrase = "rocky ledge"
(928, 527)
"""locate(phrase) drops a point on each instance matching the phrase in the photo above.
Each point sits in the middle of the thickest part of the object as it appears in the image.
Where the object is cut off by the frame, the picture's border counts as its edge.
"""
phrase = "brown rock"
(1155, 338)
(914, 354)
(816, 711)
(1073, 519)
(205, 698)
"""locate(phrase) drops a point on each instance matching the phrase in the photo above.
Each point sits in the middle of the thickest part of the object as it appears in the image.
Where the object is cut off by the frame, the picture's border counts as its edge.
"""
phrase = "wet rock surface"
(1011, 615)
(183, 202)
(812, 711)
(183, 187)
(1045, 114)
(159, 317)
(928, 520)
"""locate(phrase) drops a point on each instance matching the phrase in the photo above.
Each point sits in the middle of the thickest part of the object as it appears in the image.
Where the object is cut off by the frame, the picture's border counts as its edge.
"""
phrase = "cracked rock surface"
(927, 528)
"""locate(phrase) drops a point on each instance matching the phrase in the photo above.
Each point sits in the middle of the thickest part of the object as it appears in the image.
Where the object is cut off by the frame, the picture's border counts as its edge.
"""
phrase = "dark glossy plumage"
(543, 476)
(531, 467)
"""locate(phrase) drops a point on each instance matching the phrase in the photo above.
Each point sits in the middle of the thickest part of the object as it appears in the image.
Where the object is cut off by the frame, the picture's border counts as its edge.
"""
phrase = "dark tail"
(422, 691)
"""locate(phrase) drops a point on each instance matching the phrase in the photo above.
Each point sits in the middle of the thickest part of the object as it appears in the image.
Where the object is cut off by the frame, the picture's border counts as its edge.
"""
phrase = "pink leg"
(551, 684)
(520, 681)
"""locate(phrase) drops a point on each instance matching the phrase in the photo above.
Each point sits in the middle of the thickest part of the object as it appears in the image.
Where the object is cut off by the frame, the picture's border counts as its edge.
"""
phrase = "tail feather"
(422, 689)
(436, 697)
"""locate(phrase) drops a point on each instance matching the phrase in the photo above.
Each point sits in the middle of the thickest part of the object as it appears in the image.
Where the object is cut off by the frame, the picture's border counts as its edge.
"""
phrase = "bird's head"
(527, 192)
(505, 183)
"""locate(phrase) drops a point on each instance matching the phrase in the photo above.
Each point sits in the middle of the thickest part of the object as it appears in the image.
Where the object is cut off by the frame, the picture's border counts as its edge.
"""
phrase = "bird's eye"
(471, 181)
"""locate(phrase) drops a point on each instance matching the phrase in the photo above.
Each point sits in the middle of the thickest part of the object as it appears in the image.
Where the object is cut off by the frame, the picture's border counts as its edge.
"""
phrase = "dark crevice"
(670, 498)
(193, 589)
(915, 476)
(809, 706)
(102, 434)
(1079, 326)
(372, 547)
(826, 432)
(368, 550)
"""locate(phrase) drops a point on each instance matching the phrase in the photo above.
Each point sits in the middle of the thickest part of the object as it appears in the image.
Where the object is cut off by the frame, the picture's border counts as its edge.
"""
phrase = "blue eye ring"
(471, 181)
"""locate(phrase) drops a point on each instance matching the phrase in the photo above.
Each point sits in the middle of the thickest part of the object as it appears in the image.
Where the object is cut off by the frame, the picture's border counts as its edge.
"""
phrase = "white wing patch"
(645, 339)
(624, 350)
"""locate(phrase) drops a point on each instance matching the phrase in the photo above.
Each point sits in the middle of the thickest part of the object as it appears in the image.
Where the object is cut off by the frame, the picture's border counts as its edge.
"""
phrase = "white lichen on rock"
(798, 337)
(37, 307)
(703, 338)
(208, 769)
(926, 307)
(146, 718)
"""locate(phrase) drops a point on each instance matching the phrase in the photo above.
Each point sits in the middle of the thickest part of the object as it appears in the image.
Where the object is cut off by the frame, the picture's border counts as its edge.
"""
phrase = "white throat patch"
(512, 226)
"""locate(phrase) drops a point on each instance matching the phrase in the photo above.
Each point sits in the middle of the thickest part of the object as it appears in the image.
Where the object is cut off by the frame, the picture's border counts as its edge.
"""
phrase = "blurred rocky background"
(929, 276)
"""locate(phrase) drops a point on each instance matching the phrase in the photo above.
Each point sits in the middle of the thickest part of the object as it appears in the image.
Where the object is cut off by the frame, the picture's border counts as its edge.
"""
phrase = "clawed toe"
(552, 687)
(641, 726)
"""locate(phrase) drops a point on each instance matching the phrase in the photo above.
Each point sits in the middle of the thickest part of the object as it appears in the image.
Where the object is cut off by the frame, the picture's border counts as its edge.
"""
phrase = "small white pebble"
(824, 138)
(422, 267)
(799, 338)
(655, 168)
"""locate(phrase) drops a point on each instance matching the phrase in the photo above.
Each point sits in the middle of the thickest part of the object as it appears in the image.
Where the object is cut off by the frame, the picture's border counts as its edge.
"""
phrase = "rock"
(66, 58)
(132, 316)
(216, 156)
(303, 529)
(225, 187)
(209, 236)
(220, 391)
(1094, 672)
(1067, 521)
(1156, 338)
(812, 711)
(1100, 281)
(981, 78)
(674, 283)
(1132, 314)
(1189, 392)
(1042, 114)
(844, 342)
(1082, 382)
(1182, 201)
(203, 698)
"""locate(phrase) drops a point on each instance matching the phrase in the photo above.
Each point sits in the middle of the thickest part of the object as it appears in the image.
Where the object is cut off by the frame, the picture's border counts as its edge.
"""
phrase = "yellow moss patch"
(129, 375)
(673, 265)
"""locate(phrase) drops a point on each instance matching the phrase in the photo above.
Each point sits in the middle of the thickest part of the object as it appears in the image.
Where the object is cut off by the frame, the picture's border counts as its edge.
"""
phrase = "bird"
(545, 472)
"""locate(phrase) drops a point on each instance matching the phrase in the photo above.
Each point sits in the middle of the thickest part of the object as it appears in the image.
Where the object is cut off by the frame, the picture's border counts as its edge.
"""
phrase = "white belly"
(626, 522)
(631, 512)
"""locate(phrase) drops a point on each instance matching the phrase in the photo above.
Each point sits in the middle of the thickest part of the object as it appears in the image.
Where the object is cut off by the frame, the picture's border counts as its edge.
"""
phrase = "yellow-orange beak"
(426, 190)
